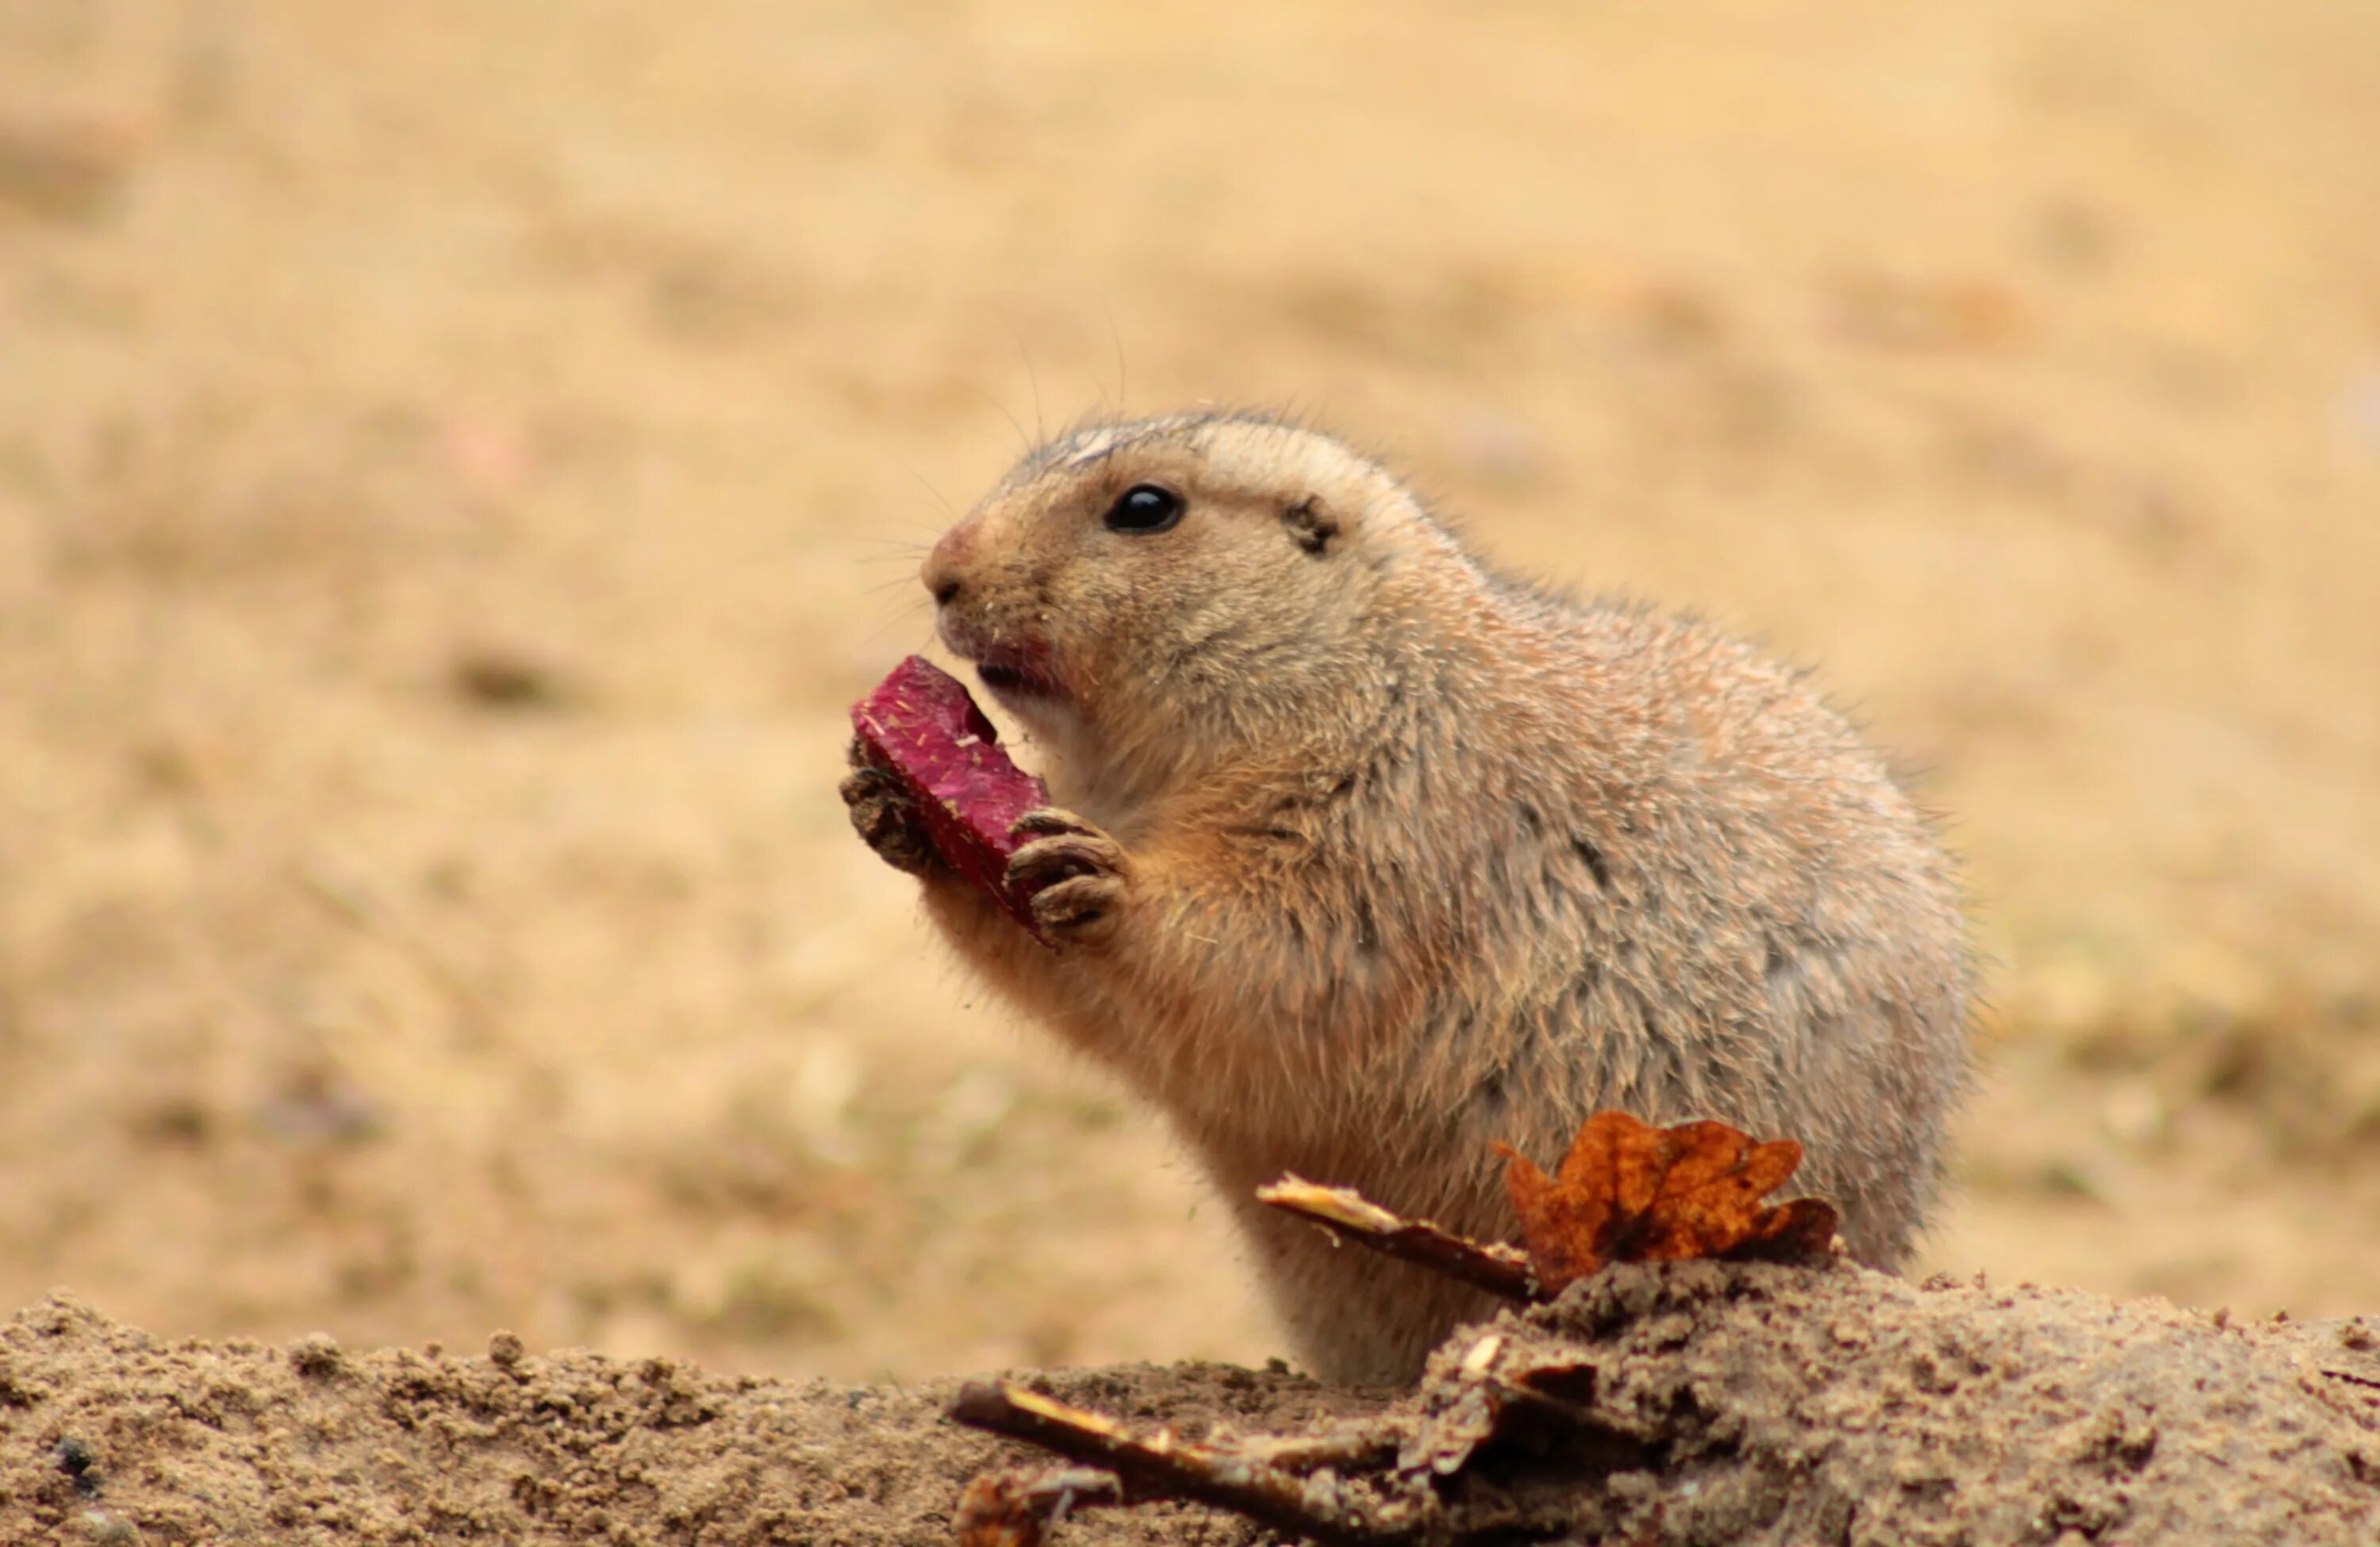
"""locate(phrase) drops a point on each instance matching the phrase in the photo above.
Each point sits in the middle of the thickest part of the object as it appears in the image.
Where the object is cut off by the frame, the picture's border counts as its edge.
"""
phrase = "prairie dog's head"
(1144, 595)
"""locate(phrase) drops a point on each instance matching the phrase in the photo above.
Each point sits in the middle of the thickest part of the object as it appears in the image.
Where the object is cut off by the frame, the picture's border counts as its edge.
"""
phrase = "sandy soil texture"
(1695, 1403)
(111, 1432)
(459, 461)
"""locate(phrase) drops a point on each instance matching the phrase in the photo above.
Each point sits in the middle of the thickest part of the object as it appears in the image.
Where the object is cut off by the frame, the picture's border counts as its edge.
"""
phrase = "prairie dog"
(1363, 854)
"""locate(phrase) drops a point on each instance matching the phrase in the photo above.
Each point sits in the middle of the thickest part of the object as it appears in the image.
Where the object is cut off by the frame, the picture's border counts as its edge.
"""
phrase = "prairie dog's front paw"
(885, 816)
(1074, 877)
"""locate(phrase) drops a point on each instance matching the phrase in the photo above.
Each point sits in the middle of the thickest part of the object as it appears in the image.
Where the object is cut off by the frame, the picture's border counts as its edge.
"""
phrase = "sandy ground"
(458, 462)
(1675, 1406)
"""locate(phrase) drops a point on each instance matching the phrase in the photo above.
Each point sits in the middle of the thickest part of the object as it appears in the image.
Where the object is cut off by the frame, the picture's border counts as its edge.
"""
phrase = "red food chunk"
(920, 726)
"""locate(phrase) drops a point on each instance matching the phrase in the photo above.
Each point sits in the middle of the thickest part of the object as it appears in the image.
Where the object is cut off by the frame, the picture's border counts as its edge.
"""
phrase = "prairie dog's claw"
(1073, 876)
(1081, 910)
(886, 818)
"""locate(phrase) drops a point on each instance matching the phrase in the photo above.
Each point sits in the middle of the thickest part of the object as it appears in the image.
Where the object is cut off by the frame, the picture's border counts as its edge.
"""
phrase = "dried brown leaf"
(1628, 1192)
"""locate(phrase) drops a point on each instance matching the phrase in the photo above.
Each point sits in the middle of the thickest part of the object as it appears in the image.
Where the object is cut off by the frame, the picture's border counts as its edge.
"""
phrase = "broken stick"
(1164, 1466)
(1499, 1270)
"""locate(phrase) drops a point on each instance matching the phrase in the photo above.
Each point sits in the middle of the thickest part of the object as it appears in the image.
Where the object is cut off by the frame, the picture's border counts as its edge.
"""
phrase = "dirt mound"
(1758, 1404)
(108, 1431)
(1691, 1403)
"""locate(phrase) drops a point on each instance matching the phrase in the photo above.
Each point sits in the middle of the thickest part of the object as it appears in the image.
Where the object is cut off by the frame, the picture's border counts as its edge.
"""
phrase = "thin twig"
(1162, 1466)
(1358, 1450)
(1499, 1270)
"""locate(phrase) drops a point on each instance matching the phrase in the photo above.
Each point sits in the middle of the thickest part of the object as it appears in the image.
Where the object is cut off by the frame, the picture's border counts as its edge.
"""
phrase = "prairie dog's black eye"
(1143, 509)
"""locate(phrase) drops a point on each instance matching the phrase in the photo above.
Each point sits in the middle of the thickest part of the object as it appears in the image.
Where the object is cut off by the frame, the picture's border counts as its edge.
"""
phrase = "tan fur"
(1372, 857)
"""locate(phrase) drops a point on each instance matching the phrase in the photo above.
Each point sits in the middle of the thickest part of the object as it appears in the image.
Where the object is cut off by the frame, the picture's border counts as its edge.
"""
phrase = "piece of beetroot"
(921, 725)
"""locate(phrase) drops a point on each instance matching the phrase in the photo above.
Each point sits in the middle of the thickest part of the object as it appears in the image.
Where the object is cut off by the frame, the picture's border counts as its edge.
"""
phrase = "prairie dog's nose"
(942, 567)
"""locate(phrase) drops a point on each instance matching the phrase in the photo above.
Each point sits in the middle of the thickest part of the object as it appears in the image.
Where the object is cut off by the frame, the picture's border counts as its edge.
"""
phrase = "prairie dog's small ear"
(1310, 526)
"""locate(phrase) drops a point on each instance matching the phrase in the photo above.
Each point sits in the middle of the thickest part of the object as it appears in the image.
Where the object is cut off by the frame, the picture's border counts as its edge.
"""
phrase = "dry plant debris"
(1628, 1192)
(1018, 1509)
(1012, 1510)
(1498, 1269)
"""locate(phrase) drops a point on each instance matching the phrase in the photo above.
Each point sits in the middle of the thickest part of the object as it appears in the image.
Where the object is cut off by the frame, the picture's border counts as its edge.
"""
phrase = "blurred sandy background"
(457, 461)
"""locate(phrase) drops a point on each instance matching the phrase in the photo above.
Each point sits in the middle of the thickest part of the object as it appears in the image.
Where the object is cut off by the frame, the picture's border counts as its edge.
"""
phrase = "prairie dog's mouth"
(1018, 670)
(1013, 677)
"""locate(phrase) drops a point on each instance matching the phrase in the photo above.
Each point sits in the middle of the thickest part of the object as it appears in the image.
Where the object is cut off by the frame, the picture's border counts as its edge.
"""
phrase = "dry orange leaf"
(1628, 1192)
